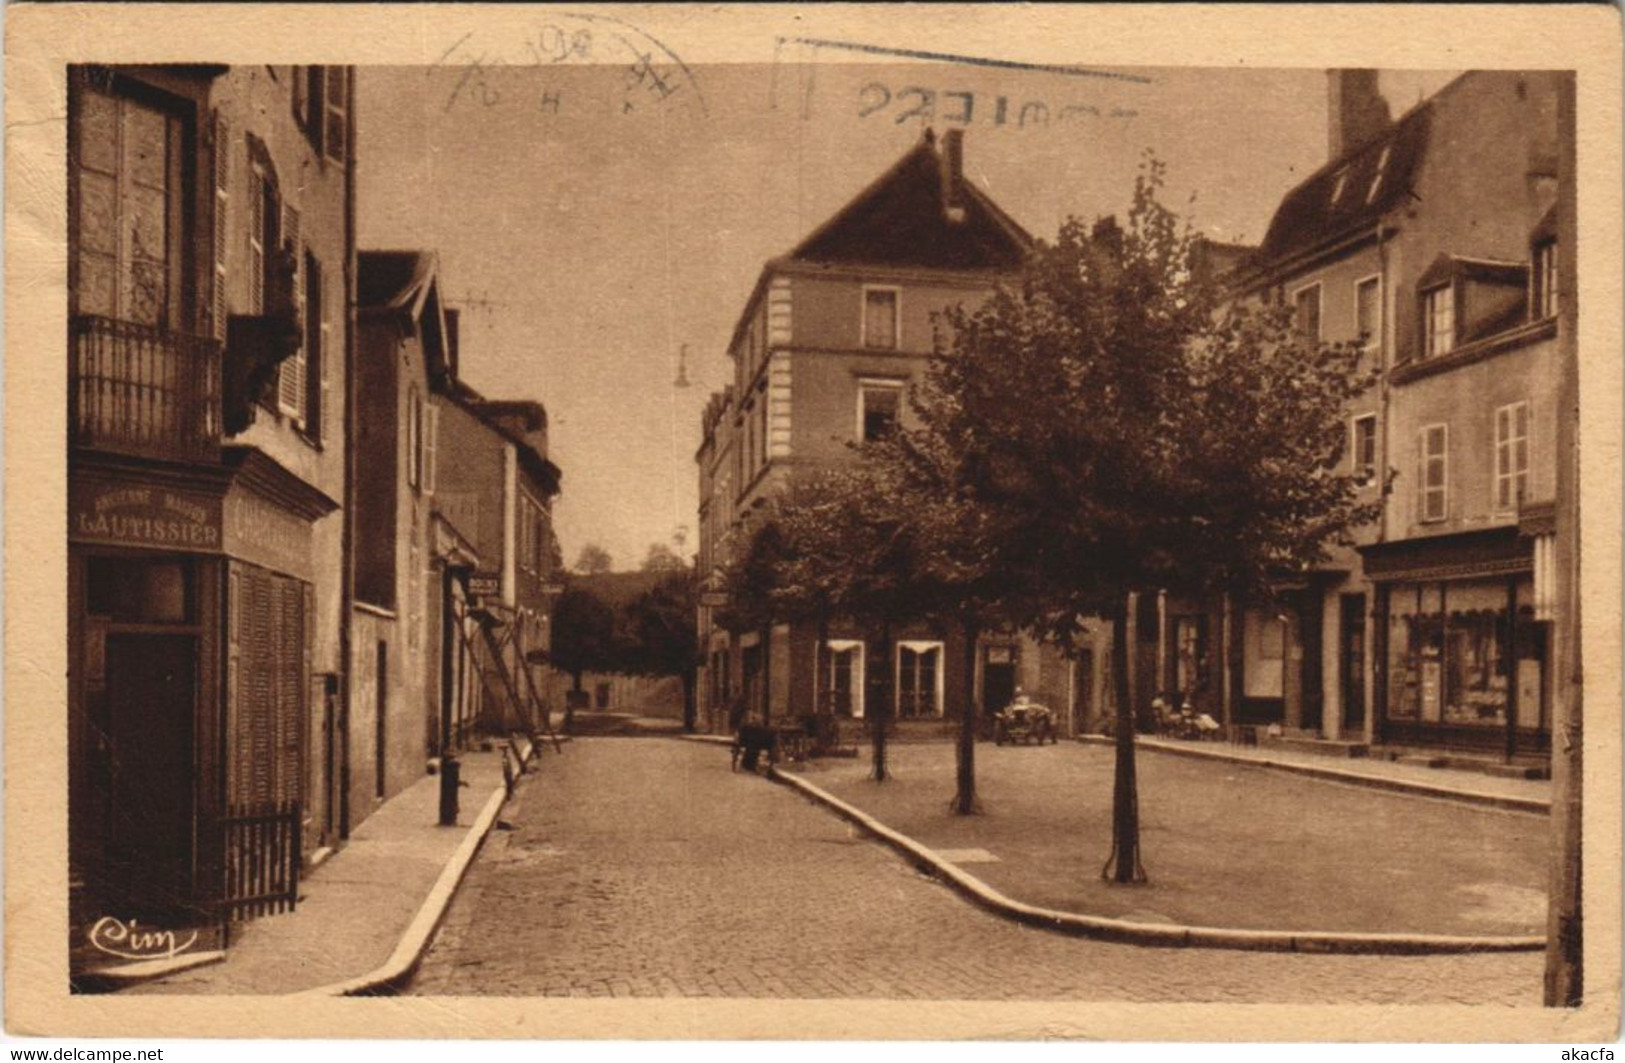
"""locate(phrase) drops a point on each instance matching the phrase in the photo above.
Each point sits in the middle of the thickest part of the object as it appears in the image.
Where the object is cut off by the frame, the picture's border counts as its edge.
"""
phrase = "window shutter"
(222, 221)
(296, 85)
(431, 443)
(291, 374)
(256, 240)
(337, 101)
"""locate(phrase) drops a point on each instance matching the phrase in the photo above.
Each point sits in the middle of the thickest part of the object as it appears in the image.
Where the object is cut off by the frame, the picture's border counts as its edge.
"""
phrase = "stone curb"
(1122, 930)
(112, 979)
(1506, 803)
(394, 972)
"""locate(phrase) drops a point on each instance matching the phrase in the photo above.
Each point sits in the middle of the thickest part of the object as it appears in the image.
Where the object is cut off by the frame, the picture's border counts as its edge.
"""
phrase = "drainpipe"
(347, 534)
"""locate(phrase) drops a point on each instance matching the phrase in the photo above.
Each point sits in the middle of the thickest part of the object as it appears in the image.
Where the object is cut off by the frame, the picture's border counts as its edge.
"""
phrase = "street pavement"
(645, 867)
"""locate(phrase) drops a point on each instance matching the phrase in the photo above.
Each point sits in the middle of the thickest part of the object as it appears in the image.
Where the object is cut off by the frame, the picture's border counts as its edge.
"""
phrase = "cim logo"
(126, 941)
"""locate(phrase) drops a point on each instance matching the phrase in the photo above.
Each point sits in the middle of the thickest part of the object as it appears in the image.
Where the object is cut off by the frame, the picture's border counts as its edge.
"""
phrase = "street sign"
(485, 584)
(713, 599)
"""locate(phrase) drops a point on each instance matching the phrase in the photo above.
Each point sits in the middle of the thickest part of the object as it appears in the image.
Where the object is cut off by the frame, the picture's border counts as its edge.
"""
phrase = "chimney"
(1355, 110)
(953, 175)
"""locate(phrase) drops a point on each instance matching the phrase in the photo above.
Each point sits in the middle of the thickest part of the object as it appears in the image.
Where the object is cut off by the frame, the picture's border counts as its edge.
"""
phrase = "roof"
(394, 280)
(1346, 194)
(902, 219)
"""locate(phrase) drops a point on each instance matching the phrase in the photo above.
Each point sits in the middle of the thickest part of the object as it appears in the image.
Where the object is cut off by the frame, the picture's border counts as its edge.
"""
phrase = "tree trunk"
(965, 802)
(690, 708)
(767, 673)
(1123, 865)
(882, 708)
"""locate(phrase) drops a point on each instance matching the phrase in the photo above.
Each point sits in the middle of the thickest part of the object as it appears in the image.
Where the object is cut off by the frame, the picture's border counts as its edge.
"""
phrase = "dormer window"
(1438, 320)
(1338, 185)
(1376, 178)
(1543, 280)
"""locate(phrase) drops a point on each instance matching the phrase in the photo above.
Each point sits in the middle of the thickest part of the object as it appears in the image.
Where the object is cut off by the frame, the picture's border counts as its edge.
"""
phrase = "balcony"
(143, 391)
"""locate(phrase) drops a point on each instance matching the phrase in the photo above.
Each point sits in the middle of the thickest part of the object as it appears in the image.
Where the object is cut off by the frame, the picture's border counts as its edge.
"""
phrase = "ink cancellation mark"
(503, 72)
(931, 103)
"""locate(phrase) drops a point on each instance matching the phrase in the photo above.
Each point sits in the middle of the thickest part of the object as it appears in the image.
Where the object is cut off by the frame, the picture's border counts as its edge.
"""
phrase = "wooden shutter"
(431, 439)
(291, 374)
(336, 102)
(223, 155)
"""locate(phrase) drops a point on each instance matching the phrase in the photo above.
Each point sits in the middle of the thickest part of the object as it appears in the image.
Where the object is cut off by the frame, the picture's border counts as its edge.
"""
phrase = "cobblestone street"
(644, 867)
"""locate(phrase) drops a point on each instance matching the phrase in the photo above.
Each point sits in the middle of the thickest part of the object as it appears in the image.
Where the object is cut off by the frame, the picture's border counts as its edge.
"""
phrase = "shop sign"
(133, 515)
(485, 584)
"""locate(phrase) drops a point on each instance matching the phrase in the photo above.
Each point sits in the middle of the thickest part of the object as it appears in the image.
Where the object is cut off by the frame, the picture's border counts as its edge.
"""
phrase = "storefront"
(189, 613)
(1461, 647)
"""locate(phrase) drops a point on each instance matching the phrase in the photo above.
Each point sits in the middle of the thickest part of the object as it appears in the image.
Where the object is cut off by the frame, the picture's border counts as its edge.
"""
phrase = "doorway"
(1351, 662)
(998, 678)
(151, 699)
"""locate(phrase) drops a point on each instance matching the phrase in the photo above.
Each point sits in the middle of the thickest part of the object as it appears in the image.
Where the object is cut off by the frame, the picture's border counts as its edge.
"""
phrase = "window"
(320, 103)
(1363, 448)
(1337, 187)
(1438, 321)
(1306, 312)
(128, 177)
(1511, 455)
(919, 673)
(1368, 312)
(842, 691)
(880, 318)
(293, 379)
(1376, 178)
(1543, 281)
(879, 405)
(532, 535)
(1433, 481)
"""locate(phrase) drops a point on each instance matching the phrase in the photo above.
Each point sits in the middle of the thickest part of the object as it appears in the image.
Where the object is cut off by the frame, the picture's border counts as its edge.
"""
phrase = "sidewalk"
(1529, 795)
(359, 907)
(1225, 844)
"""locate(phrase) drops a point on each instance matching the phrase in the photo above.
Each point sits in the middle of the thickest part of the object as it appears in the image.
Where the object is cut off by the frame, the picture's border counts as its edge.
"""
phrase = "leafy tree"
(1121, 430)
(661, 635)
(593, 559)
(583, 638)
(662, 558)
(964, 575)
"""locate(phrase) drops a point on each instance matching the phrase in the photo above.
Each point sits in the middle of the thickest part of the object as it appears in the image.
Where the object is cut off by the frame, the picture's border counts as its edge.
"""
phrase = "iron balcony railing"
(146, 391)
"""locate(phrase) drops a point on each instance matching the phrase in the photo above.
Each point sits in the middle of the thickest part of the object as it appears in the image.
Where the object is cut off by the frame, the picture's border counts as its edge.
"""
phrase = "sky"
(593, 219)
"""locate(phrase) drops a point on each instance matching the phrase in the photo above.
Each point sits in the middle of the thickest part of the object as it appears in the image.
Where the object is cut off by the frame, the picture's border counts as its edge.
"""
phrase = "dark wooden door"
(1310, 627)
(998, 685)
(1351, 661)
(151, 698)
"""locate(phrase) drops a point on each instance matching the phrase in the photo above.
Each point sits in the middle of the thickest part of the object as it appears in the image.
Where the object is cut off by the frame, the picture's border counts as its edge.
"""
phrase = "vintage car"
(1024, 721)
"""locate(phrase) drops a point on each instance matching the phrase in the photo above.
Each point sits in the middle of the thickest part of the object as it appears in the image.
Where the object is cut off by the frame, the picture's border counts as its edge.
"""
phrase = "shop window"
(880, 403)
(1449, 656)
(1191, 664)
(880, 324)
(1433, 480)
(138, 591)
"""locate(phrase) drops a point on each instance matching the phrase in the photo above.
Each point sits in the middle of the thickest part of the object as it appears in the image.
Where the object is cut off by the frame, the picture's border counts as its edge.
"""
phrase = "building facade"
(827, 345)
(211, 264)
(1431, 242)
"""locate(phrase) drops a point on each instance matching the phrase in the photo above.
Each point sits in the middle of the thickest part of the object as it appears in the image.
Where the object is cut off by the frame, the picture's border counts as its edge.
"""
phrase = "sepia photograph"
(747, 523)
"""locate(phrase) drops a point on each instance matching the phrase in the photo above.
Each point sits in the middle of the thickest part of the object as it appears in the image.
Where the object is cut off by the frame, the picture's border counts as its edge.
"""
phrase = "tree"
(963, 574)
(583, 639)
(593, 559)
(661, 635)
(845, 547)
(662, 558)
(1126, 432)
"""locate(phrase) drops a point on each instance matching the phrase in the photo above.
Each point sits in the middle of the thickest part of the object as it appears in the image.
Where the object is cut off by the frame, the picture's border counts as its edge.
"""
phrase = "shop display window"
(1449, 655)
